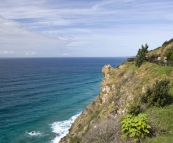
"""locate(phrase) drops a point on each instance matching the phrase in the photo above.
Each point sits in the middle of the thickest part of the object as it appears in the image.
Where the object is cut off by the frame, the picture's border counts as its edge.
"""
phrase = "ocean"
(41, 97)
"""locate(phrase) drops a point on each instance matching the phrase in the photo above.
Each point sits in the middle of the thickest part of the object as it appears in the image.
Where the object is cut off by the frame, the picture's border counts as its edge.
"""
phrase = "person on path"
(165, 61)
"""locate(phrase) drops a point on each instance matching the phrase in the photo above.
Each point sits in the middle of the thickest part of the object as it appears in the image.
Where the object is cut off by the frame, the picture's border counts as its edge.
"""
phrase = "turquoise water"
(41, 97)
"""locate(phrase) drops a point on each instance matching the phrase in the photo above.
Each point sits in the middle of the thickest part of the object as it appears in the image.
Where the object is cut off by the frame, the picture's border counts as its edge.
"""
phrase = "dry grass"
(107, 131)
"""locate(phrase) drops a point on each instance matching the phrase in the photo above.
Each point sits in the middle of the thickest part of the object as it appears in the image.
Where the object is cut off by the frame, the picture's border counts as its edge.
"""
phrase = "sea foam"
(34, 133)
(61, 128)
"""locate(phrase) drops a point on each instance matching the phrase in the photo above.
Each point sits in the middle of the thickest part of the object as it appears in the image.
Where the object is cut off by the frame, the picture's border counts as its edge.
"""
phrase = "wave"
(61, 128)
(34, 133)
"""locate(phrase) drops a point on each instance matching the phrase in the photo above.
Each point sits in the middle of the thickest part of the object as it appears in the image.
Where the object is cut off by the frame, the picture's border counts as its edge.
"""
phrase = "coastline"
(61, 128)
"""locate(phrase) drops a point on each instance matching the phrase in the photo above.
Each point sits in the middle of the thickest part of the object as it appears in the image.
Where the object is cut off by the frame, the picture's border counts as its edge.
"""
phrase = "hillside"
(120, 89)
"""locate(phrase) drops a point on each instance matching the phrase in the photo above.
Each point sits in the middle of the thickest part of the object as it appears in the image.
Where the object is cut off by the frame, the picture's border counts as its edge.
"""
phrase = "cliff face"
(118, 88)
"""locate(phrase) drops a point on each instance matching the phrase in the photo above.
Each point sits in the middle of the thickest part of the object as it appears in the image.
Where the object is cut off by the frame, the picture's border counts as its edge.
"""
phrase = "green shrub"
(158, 95)
(169, 54)
(134, 108)
(135, 127)
(141, 55)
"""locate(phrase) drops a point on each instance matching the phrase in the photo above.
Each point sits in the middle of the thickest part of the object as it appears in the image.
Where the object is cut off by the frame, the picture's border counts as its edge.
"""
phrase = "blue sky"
(83, 28)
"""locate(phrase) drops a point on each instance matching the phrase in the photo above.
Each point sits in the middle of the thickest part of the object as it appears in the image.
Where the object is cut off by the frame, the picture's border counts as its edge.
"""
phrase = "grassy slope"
(132, 79)
(161, 119)
(162, 122)
(129, 82)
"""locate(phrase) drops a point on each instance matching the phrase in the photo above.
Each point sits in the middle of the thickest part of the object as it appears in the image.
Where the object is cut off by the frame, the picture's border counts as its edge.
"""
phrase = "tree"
(140, 57)
(169, 54)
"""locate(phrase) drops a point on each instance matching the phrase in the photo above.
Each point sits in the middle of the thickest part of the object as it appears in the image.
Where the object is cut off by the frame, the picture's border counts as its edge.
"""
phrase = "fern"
(135, 127)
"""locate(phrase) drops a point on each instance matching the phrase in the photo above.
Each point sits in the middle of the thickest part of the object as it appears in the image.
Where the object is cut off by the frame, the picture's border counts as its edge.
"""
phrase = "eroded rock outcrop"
(111, 102)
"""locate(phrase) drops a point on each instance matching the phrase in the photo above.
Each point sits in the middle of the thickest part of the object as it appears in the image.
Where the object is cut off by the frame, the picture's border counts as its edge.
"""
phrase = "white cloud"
(14, 37)
(65, 54)
(88, 26)
(30, 53)
(6, 52)
(108, 2)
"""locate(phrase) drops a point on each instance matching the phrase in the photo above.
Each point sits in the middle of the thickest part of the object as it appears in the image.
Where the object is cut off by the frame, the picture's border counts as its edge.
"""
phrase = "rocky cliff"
(119, 87)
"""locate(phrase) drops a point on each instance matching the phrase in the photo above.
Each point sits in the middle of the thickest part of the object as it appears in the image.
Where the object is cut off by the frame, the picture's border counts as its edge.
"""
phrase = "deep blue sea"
(41, 97)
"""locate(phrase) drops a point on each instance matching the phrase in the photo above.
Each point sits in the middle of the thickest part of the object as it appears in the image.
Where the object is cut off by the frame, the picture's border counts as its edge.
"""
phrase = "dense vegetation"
(154, 97)
(158, 94)
(169, 54)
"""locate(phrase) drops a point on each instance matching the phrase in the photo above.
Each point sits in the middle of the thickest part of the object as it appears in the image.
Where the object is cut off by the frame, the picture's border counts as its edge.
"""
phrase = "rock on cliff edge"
(115, 94)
